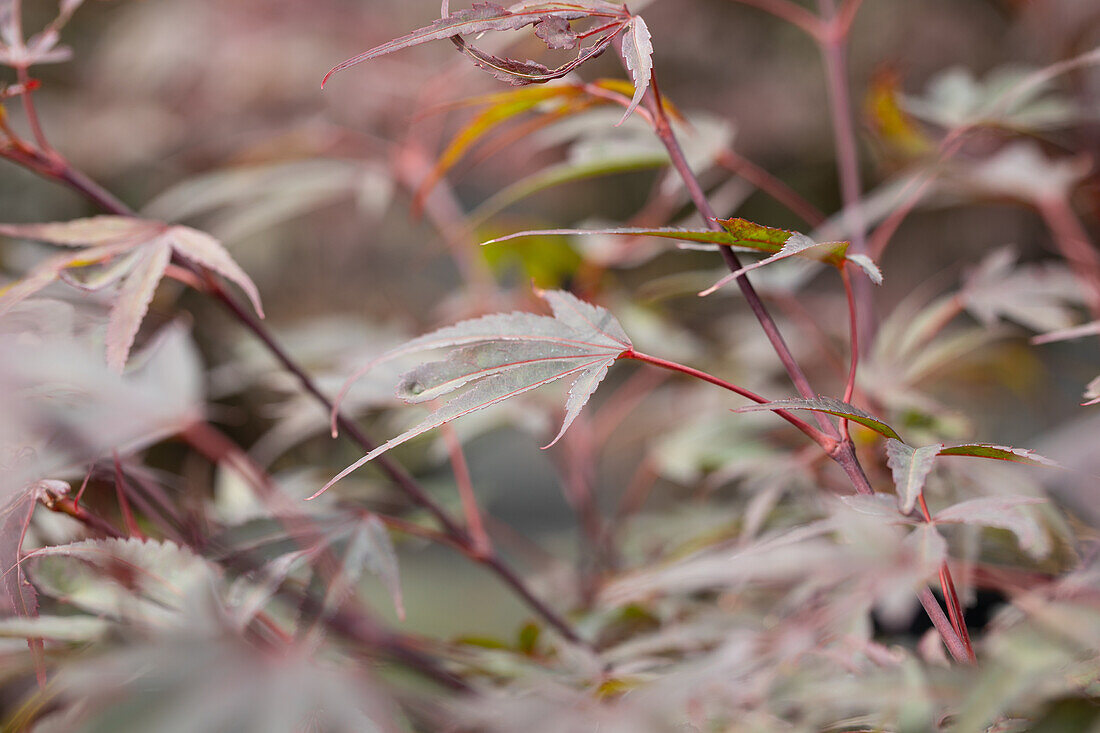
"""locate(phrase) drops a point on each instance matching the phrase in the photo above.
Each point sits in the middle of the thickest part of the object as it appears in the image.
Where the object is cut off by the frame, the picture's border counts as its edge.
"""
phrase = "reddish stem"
(124, 503)
(825, 441)
(481, 545)
(772, 186)
(853, 332)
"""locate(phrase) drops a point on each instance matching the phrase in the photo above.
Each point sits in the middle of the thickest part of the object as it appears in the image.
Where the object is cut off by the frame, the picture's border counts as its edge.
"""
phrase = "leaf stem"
(833, 45)
(853, 335)
(825, 441)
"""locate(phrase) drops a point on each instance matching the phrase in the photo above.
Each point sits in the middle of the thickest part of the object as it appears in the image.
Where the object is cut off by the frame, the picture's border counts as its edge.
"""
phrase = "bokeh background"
(212, 112)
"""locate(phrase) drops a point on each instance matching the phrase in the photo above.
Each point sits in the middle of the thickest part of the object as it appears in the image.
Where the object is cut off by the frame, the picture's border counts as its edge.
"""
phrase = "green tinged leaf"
(739, 234)
(910, 468)
(505, 355)
(830, 406)
(998, 452)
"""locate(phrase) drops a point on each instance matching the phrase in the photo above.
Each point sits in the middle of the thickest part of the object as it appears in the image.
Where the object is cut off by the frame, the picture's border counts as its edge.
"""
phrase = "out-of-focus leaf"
(501, 109)
(66, 408)
(57, 628)
(910, 468)
(141, 581)
(637, 51)
(1068, 334)
(1041, 298)
(998, 452)
(621, 159)
(1092, 393)
(506, 355)
(1004, 513)
(830, 406)
(893, 124)
(243, 200)
(107, 237)
(928, 546)
(215, 681)
(1021, 170)
(369, 548)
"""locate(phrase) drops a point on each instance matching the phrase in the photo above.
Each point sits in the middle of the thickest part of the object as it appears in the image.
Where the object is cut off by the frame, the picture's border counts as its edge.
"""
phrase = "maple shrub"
(792, 508)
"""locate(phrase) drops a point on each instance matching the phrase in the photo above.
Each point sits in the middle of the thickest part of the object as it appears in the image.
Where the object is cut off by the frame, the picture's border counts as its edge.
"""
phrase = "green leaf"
(739, 234)
(503, 356)
(910, 469)
(1000, 453)
(830, 406)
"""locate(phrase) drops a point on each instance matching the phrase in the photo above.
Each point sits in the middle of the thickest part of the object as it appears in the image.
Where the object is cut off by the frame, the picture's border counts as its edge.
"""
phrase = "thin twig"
(789, 12)
(772, 186)
(825, 441)
(481, 544)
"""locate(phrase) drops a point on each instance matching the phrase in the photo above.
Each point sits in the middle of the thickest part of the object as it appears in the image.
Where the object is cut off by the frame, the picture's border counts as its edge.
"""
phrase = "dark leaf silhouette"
(505, 355)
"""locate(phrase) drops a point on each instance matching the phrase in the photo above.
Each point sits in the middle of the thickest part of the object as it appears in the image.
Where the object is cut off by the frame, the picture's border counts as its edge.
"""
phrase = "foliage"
(804, 509)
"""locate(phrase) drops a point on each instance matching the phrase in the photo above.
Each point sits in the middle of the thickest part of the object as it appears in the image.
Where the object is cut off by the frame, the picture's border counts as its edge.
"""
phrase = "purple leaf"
(503, 356)
(910, 469)
(133, 302)
(556, 33)
(17, 596)
(1003, 513)
(637, 52)
(480, 18)
(830, 406)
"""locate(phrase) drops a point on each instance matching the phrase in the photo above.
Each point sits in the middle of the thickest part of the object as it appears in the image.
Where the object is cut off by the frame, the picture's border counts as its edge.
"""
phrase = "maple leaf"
(551, 24)
(133, 253)
(505, 355)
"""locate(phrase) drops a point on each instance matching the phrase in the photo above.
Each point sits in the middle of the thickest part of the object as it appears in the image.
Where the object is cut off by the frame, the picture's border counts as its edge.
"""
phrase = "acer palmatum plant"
(766, 494)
